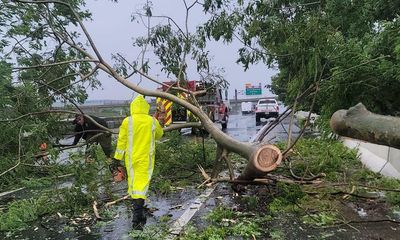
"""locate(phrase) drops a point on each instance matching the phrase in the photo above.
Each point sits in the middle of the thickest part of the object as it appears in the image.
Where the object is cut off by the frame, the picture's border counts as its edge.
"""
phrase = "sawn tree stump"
(262, 161)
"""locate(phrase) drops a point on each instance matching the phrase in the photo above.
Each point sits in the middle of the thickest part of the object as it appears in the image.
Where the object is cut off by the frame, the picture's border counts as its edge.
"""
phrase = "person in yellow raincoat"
(136, 144)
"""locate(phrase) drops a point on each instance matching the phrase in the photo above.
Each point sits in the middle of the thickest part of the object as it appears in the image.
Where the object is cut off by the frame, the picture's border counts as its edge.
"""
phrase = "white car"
(266, 108)
(247, 107)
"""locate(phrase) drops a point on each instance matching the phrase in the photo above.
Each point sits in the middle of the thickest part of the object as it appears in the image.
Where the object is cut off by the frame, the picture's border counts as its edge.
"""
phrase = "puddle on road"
(171, 206)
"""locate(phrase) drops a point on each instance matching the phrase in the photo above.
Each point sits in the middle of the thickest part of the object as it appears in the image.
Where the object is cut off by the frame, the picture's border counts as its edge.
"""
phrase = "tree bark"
(359, 123)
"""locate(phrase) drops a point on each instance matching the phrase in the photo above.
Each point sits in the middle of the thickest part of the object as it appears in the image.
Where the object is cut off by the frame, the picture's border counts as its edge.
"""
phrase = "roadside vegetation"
(279, 209)
(177, 161)
(71, 190)
(66, 188)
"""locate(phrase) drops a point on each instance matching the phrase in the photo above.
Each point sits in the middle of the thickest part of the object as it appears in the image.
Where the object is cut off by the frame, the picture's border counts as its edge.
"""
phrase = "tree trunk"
(262, 161)
(359, 123)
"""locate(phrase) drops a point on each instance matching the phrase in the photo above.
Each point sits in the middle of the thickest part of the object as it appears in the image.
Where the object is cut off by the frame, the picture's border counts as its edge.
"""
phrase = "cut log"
(359, 123)
(264, 160)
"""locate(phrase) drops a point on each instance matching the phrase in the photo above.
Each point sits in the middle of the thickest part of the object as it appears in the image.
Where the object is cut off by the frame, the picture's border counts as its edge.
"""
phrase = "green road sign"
(253, 91)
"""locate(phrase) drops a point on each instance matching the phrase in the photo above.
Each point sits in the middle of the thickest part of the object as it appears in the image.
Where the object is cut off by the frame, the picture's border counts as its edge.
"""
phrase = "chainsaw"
(118, 173)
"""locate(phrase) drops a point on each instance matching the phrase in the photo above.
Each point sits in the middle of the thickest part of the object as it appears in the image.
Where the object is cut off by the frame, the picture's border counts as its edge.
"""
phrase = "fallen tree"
(262, 157)
(359, 123)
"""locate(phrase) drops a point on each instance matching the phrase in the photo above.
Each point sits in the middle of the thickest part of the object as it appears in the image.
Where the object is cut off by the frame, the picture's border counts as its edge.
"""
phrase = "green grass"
(277, 234)
(153, 232)
(47, 199)
(324, 156)
(341, 166)
(177, 160)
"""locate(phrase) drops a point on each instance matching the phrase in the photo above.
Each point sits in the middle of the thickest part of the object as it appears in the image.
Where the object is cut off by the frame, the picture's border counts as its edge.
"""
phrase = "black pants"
(139, 216)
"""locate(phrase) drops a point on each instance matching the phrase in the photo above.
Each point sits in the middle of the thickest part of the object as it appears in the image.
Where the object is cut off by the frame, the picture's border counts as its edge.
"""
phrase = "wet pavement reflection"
(243, 127)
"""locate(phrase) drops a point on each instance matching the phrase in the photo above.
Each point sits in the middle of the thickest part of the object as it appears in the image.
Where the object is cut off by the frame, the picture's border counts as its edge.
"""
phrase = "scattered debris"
(12, 191)
(175, 207)
(351, 192)
(361, 212)
(205, 175)
(96, 211)
(118, 200)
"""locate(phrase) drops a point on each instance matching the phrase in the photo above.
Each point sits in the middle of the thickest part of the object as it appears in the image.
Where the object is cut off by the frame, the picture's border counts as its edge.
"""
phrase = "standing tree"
(351, 46)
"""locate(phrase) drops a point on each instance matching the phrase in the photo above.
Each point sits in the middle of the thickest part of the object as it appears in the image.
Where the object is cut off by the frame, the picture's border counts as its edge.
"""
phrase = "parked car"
(247, 107)
(266, 108)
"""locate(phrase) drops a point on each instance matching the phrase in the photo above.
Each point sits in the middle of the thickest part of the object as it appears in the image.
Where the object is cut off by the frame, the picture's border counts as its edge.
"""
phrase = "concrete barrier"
(378, 158)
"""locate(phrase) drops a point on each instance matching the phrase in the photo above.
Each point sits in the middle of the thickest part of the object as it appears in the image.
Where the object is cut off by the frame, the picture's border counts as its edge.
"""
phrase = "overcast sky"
(112, 31)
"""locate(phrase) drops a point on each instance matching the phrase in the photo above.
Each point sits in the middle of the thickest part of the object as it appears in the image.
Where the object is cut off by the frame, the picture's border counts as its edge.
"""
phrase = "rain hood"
(139, 106)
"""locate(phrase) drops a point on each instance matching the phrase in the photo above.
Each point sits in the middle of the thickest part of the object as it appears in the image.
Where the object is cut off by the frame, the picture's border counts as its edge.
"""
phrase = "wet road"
(241, 127)
(244, 127)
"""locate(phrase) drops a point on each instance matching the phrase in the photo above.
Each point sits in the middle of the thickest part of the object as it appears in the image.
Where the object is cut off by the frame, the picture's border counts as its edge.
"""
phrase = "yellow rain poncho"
(136, 141)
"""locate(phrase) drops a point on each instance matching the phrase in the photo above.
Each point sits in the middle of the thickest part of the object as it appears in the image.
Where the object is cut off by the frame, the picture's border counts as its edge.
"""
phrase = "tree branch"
(182, 125)
(37, 113)
(169, 19)
(55, 64)
(56, 111)
(77, 18)
(62, 94)
(19, 154)
(83, 78)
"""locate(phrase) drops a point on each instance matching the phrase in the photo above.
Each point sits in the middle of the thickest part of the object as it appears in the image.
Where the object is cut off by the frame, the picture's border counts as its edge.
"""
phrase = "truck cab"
(212, 102)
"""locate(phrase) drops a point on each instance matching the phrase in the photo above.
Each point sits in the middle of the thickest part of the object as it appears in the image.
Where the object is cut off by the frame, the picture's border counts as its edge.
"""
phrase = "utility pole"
(236, 97)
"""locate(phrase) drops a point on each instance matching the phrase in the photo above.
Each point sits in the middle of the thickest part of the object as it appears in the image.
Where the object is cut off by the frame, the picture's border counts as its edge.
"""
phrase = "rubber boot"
(139, 217)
